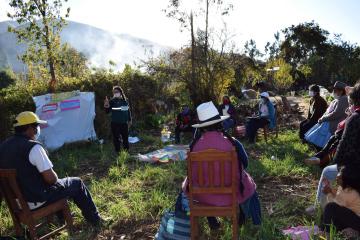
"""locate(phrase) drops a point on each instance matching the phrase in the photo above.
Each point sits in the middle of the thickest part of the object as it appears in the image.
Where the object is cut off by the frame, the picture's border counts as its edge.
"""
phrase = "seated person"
(317, 108)
(38, 181)
(348, 151)
(266, 115)
(336, 111)
(212, 136)
(343, 209)
(227, 109)
(183, 122)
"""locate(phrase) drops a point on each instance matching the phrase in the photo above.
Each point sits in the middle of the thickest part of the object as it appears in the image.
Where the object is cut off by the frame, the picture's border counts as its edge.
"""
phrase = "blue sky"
(256, 19)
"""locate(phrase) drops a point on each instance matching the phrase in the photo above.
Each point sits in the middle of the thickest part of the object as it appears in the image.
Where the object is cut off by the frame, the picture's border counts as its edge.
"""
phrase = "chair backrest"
(210, 165)
(11, 192)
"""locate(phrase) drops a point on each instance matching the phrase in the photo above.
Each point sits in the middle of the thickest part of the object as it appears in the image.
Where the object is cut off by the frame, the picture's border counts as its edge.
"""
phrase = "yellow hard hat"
(26, 118)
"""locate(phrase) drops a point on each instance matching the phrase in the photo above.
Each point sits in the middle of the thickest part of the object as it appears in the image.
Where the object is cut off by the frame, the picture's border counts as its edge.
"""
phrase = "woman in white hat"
(266, 115)
(210, 135)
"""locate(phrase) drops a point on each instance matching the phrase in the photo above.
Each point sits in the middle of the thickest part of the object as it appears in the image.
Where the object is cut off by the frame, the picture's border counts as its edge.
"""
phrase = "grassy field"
(132, 196)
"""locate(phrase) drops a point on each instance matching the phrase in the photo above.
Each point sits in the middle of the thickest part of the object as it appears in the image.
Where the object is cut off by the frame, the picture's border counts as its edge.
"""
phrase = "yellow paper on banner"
(58, 97)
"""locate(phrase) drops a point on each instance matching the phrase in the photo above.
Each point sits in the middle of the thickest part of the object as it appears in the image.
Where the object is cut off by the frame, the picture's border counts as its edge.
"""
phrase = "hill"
(98, 45)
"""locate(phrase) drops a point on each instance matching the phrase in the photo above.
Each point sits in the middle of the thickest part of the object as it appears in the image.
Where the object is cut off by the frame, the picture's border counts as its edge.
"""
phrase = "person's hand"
(327, 189)
(106, 102)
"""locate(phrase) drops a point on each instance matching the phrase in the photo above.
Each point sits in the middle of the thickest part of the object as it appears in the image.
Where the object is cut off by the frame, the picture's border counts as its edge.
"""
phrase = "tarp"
(70, 117)
(170, 152)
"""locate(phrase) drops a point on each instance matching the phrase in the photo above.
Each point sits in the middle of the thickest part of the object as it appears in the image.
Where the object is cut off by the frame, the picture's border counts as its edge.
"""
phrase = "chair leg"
(68, 218)
(235, 226)
(265, 134)
(32, 231)
(194, 227)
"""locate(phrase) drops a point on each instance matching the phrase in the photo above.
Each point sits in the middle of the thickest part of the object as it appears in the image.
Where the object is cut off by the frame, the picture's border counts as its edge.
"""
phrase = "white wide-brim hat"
(208, 115)
(264, 94)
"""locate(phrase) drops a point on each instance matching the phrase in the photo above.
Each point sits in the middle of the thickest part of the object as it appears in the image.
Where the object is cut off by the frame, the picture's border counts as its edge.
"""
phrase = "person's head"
(185, 109)
(226, 100)
(314, 90)
(264, 97)
(354, 95)
(28, 124)
(339, 89)
(208, 116)
(118, 92)
(348, 177)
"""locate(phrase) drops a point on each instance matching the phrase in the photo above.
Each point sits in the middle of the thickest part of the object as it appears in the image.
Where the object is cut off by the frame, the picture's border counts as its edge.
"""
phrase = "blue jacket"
(272, 114)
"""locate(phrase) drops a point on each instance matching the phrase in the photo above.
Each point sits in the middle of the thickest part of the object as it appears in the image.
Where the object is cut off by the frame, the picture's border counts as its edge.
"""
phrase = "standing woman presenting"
(119, 108)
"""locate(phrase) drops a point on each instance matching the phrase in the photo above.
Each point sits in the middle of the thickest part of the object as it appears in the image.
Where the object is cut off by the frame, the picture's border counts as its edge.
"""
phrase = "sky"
(250, 19)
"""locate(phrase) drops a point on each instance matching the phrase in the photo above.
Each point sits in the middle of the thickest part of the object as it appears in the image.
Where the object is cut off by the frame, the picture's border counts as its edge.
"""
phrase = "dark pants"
(329, 147)
(178, 130)
(340, 217)
(304, 127)
(215, 224)
(120, 129)
(74, 189)
(252, 125)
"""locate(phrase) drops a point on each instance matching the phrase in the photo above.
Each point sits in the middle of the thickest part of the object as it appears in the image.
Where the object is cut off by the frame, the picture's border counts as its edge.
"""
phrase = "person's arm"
(242, 154)
(338, 113)
(129, 114)
(108, 109)
(39, 158)
(319, 109)
(349, 141)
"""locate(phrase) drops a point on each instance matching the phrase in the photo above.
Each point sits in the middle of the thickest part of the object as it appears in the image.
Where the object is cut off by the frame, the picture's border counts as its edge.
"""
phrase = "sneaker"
(312, 161)
(310, 210)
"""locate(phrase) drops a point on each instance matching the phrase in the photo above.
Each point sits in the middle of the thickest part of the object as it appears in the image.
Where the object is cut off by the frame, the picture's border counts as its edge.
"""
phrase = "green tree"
(7, 78)
(205, 61)
(281, 78)
(42, 22)
(72, 63)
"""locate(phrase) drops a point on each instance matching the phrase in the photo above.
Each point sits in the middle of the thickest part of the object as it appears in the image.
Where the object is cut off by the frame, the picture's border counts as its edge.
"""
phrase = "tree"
(205, 60)
(72, 63)
(282, 78)
(42, 22)
(7, 78)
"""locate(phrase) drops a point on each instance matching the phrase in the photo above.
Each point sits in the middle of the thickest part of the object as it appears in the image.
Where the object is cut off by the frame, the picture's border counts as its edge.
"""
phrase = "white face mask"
(117, 95)
(311, 94)
(37, 135)
(263, 101)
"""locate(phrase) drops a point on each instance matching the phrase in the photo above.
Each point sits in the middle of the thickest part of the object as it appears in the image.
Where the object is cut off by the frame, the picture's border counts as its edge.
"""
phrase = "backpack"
(175, 225)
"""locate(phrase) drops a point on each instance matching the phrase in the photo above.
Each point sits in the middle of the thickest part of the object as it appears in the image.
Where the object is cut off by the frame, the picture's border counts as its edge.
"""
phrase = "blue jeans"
(74, 189)
(330, 173)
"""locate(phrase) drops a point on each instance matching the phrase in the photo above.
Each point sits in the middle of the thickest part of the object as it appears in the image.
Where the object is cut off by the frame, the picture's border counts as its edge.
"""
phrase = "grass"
(132, 196)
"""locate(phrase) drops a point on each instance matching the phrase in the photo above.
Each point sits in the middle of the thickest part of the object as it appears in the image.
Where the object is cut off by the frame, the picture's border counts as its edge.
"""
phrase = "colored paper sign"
(69, 104)
(49, 107)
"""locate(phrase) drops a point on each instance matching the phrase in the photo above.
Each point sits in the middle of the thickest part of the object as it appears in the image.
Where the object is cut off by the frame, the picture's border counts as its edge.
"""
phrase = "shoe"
(312, 161)
(310, 210)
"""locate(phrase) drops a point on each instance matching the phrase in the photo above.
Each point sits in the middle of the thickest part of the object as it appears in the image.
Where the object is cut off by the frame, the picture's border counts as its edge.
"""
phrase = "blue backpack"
(175, 225)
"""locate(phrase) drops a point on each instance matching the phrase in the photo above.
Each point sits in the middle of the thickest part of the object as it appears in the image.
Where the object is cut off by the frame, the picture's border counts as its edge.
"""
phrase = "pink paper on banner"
(69, 104)
(49, 107)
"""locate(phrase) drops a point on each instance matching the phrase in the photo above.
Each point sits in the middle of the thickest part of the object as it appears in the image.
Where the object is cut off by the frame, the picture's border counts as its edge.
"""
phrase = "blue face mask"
(37, 135)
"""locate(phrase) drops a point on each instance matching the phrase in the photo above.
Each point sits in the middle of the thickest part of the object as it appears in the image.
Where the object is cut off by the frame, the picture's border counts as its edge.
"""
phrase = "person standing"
(38, 181)
(317, 108)
(119, 108)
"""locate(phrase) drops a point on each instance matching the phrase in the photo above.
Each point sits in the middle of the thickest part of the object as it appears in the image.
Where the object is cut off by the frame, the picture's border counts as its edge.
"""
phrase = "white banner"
(70, 117)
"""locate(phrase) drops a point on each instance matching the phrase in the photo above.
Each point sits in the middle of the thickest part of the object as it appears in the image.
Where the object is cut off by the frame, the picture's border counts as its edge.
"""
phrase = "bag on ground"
(175, 225)
(319, 134)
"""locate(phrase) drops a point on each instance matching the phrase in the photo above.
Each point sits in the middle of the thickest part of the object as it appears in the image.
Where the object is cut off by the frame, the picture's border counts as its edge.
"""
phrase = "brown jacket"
(317, 108)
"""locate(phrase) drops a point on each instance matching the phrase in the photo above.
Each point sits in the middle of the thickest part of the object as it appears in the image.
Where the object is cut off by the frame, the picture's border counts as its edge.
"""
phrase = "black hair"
(219, 128)
(121, 91)
(314, 88)
(355, 94)
(350, 177)
(22, 129)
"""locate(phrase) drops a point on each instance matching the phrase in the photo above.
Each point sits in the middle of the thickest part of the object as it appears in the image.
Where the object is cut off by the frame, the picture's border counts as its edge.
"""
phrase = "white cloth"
(264, 110)
(39, 158)
(225, 111)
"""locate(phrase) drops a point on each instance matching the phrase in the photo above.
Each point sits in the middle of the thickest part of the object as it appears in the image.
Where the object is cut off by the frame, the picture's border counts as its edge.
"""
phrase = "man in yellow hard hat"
(38, 181)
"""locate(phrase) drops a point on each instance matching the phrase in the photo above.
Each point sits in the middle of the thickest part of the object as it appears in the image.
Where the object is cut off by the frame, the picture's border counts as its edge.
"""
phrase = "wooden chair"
(21, 213)
(266, 129)
(209, 158)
